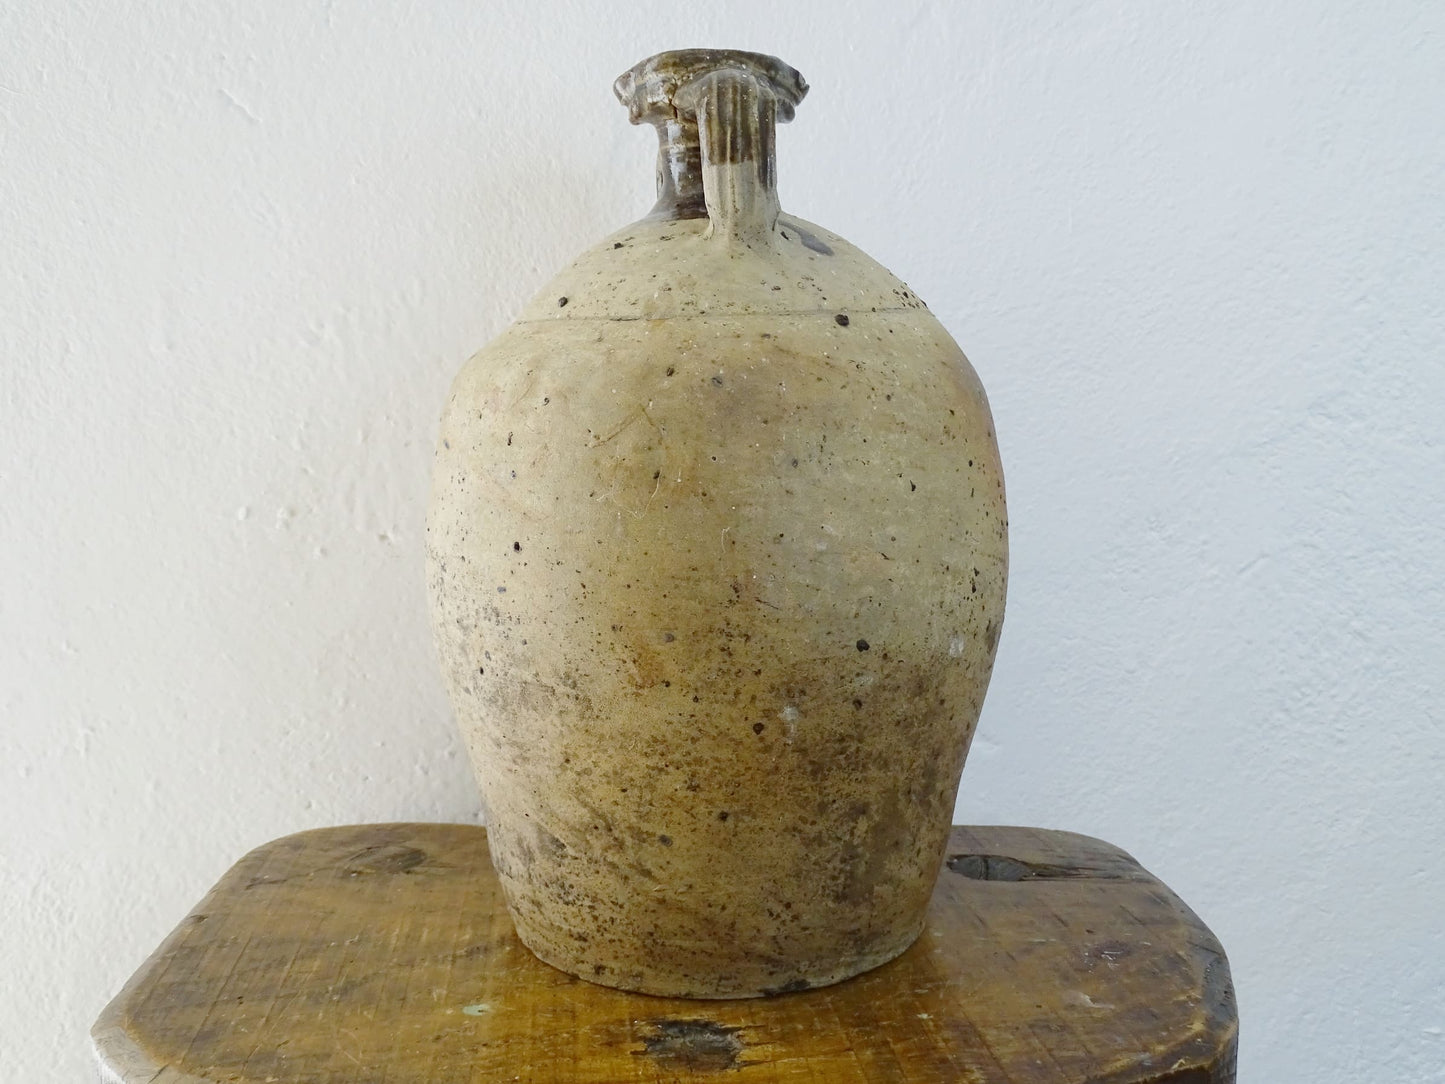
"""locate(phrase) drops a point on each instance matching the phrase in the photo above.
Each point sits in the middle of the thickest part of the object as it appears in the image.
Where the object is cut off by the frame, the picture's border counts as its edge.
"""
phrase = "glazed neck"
(715, 111)
(679, 170)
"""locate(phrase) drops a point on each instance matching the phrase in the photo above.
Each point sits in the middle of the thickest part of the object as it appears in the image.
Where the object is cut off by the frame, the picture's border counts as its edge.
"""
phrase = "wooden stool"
(384, 953)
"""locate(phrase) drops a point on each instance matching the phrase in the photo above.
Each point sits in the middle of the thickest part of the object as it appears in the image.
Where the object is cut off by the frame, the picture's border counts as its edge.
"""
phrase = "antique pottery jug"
(717, 554)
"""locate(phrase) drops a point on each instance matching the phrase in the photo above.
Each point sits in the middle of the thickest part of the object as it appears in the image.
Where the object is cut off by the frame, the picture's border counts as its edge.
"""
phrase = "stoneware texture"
(717, 556)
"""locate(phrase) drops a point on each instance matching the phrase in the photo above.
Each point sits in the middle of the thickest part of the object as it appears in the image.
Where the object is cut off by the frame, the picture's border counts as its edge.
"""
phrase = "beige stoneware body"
(717, 557)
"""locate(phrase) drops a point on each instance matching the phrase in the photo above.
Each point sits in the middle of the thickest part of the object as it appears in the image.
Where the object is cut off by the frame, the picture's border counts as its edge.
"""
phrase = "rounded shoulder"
(668, 268)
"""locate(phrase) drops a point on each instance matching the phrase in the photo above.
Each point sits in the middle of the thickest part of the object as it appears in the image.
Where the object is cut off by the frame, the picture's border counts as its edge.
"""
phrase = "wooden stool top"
(384, 953)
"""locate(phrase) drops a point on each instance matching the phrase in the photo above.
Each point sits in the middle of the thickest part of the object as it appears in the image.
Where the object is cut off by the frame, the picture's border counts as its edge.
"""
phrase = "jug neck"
(715, 111)
(679, 170)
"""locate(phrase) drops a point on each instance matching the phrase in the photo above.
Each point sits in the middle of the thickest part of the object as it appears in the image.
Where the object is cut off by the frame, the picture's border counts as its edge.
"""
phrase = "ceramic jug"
(717, 555)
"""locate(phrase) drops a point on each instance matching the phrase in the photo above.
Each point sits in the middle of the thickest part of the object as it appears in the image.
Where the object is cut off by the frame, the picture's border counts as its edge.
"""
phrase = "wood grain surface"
(383, 953)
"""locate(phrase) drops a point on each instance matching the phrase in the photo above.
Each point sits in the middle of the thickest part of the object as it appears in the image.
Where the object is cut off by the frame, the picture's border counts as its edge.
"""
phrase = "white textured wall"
(1195, 252)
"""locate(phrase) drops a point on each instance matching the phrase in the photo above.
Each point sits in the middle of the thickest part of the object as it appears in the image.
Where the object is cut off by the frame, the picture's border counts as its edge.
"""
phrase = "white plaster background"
(1195, 252)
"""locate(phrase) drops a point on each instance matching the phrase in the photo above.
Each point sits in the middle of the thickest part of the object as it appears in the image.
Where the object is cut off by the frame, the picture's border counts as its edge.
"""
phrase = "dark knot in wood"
(698, 1045)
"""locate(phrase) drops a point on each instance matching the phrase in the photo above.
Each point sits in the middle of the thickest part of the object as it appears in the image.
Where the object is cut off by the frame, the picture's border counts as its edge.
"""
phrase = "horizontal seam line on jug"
(723, 312)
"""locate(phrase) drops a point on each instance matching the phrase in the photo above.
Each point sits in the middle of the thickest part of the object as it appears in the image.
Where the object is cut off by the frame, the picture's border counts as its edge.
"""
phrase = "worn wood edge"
(1218, 1029)
(336, 830)
(1208, 1055)
(1185, 1063)
(1213, 1049)
(1093, 843)
(122, 1061)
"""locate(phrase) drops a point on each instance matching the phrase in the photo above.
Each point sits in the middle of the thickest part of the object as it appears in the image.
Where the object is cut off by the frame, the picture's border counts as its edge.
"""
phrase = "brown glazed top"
(649, 89)
(657, 92)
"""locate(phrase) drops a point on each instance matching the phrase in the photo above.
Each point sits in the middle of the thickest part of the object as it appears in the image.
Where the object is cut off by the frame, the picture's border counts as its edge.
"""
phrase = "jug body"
(717, 554)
